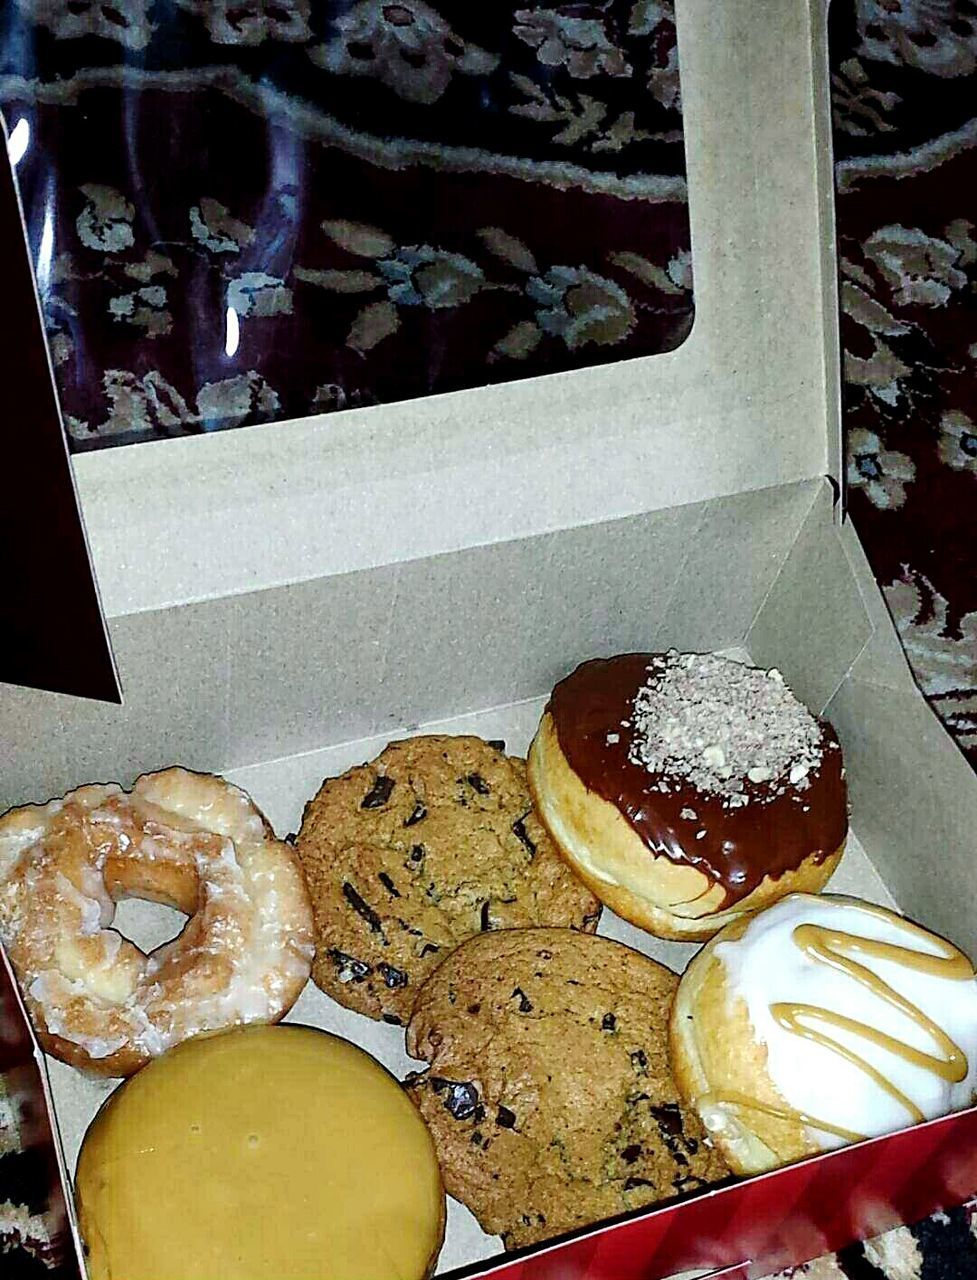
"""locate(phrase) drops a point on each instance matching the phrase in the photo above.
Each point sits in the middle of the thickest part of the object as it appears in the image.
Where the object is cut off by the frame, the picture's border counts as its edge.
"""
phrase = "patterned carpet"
(905, 98)
(943, 1248)
(251, 212)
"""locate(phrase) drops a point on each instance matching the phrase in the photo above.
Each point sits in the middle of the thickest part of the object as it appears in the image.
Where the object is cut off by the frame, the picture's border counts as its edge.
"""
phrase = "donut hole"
(148, 924)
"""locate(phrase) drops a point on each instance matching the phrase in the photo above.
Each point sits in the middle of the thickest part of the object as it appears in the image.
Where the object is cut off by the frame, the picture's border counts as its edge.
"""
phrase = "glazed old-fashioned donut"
(820, 1021)
(189, 840)
(688, 789)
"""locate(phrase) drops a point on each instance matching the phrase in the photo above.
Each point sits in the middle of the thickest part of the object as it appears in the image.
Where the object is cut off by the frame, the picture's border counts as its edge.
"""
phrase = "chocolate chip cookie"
(548, 1089)
(406, 857)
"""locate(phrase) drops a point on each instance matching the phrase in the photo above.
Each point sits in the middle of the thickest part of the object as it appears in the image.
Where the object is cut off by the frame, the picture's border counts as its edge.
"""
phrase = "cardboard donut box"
(284, 600)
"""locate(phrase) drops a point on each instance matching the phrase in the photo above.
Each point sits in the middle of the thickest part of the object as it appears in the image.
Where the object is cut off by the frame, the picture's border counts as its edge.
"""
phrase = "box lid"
(750, 400)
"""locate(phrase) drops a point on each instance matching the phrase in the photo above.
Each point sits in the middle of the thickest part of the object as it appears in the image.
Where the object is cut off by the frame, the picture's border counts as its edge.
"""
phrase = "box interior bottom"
(281, 788)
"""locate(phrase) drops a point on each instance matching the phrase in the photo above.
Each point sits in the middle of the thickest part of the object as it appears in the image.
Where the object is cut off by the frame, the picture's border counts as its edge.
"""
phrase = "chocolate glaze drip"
(769, 836)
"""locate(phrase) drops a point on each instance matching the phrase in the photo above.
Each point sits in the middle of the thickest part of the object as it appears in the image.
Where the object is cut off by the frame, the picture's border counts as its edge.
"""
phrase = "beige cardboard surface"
(743, 404)
(281, 788)
(883, 660)
(830, 308)
(730, 565)
(813, 625)
(914, 802)
(228, 682)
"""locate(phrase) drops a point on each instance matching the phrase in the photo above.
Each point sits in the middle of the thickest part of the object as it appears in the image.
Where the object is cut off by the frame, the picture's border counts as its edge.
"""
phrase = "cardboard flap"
(813, 624)
(37, 1220)
(407, 643)
(883, 660)
(748, 402)
(54, 636)
(914, 801)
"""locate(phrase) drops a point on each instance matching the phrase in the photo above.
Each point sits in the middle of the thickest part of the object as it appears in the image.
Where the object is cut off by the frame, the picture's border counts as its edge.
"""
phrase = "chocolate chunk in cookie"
(548, 1090)
(405, 858)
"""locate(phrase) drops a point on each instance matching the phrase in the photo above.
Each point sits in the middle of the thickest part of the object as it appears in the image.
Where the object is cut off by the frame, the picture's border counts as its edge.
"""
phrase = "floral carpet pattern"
(32, 1238)
(943, 1248)
(905, 106)
(904, 93)
(226, 232)
(246, 212)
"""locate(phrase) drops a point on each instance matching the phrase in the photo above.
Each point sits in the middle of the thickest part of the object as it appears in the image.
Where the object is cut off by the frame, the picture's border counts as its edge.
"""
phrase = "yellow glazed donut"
(821, 1021)
(267, 1153)
(189, 840)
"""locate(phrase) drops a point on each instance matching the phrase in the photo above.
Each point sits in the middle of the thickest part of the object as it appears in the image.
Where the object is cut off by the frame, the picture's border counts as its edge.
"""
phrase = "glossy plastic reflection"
(245, 214)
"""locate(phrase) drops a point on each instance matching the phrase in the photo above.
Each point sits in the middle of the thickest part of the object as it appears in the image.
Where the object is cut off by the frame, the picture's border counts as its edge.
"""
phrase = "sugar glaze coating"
(189, 840)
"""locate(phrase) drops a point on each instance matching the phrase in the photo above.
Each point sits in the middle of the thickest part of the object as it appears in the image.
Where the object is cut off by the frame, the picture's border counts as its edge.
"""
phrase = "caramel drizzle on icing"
(740, 1102)
(841, 950)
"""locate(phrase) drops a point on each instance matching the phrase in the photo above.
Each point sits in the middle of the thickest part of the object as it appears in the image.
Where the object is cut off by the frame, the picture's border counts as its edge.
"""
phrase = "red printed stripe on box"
(779, 1220)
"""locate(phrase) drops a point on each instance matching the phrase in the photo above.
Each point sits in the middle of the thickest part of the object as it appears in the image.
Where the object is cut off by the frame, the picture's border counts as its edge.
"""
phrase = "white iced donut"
(820, 1021)
(190, 840)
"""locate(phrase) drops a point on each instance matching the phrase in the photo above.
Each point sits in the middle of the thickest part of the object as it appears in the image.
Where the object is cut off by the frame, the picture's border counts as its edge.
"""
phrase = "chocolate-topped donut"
(687, 789)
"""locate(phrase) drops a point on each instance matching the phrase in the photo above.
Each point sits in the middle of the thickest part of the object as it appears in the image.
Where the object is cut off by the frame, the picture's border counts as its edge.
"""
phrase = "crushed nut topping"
(721, 725)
